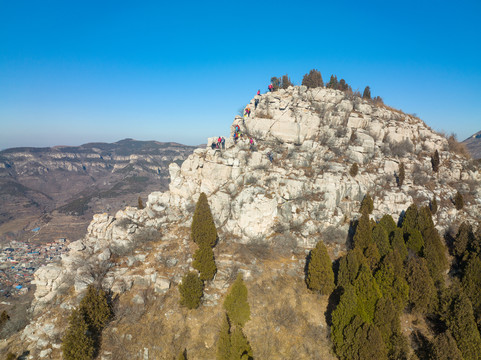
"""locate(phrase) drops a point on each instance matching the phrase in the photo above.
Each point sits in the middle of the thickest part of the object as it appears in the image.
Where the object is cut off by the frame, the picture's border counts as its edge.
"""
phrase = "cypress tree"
(471, 283)
(415, 242)
(402, 174)
(77, 344)
(367, 93)
(367, 204)
(363, 236)
(388, 224)
(433, 206)
(435, 161)
(422, 292)
(444, 347)
(203, 229)
(458, 201)
(191, 290)
(397, 243)
(182, 356)
(391, 280)
(424, 220)
(459, 319)
(223, 343)
(372, 255)
(204, 262)
(463, 238)
(381, 239)
(434, 253)
(332, 84)
(96, 309)
(320, 276)
(313, 79)
(367, 292)
(344, 315)
(410, 220)
(354, 170)
(235, 303)
(240, 347)
(386, 319)
(349, 267)
(4, 317)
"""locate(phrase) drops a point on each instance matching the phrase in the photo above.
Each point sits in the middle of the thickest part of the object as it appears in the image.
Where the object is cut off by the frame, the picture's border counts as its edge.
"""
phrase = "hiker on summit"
(248, 112)
(270, 87)
(219, 142)
(256, 102)
(223, 143)
(259, 92)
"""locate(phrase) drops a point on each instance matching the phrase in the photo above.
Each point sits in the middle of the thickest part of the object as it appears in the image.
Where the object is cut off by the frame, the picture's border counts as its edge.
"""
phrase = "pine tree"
(343, 85)
(235, 303)
(444, 348)
(286, 81)
(320, 276)
(224, 344)
(435, 161)
(204, 263)
(422, 292)
(191, 290)
(77, 344)
(313, 79)
(367, 93)
(203, 229)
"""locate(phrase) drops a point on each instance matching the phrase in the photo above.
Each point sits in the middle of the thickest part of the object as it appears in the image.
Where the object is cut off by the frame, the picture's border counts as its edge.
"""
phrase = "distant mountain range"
(59, 188)
(473, 144)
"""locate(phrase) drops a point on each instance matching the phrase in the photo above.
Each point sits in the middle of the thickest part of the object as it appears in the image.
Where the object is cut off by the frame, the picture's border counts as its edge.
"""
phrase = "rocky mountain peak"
(296, 184)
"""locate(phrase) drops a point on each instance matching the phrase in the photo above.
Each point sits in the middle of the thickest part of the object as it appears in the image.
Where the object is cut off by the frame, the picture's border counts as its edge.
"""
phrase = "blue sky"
(77, 72)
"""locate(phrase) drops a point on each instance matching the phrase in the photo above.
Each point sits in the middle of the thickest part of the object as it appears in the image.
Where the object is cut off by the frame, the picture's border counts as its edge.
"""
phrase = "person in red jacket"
(270, 87)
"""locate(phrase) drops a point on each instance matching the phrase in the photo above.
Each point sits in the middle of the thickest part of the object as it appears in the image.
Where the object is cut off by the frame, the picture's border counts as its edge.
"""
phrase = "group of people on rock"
(219, 144)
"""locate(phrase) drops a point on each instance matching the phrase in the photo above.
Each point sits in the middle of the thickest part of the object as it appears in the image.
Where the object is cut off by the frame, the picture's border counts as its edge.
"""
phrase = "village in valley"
(19, 261)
